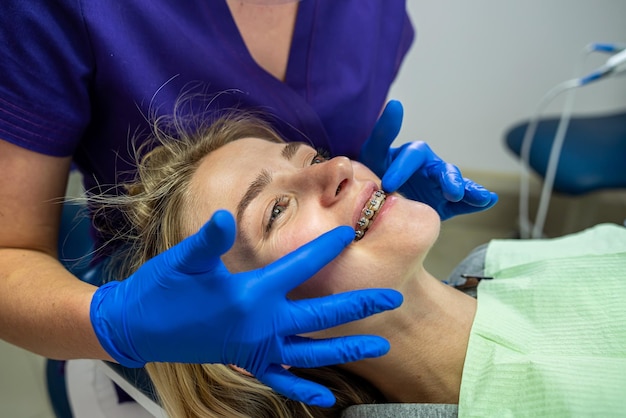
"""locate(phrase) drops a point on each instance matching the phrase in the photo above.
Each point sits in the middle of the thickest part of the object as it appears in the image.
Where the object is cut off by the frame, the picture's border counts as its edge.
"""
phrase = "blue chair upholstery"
(593, 156)
(75, 244)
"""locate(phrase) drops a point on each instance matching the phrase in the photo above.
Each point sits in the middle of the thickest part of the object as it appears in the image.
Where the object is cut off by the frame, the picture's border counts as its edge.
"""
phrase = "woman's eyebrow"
(254, 189)
(290, 150)
(263, 180)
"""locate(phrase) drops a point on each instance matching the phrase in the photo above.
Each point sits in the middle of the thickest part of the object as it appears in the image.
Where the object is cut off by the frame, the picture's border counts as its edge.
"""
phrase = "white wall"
(479, 66)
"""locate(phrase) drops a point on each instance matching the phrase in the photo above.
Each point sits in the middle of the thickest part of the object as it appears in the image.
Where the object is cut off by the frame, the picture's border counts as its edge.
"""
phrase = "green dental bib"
(549, 336)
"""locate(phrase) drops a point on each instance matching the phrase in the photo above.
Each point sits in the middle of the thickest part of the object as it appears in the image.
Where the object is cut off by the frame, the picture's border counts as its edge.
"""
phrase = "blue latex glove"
(418, 173)
(184, 306)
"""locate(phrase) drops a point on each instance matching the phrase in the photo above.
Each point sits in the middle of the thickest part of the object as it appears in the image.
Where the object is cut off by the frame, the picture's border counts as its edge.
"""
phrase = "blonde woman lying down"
(536, 343)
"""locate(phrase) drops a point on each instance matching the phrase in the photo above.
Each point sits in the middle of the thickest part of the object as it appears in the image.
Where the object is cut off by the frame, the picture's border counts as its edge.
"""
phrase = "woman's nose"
(331, 178)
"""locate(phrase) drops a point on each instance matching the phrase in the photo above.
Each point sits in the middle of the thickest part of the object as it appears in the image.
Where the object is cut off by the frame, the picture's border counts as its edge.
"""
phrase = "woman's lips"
(390, 200)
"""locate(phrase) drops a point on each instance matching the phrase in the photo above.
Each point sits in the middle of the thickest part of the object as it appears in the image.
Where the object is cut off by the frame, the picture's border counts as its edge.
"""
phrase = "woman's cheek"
(300, 232)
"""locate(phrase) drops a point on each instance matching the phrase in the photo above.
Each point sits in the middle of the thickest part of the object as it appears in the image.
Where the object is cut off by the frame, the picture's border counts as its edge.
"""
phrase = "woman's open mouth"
(368, 214)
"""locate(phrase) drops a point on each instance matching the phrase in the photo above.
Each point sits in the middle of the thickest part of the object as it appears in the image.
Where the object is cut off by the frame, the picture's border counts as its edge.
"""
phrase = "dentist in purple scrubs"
(77, 80)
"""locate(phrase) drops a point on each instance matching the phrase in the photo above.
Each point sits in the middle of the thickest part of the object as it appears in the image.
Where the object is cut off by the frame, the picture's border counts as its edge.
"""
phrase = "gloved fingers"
(298, 389)
(308, 315)
(407, 160)
(201, 251)
(375, 149)
(451, 209)
(493, 199)
(298, 266)
(451, 182)
(306, 352)
(476, 194)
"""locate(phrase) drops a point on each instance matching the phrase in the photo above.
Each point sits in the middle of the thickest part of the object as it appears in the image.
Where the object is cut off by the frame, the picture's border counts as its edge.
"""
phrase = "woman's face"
(285, 195)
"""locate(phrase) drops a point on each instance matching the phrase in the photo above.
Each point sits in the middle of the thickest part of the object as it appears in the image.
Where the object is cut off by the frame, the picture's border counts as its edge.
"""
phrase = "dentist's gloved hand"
(184, 306)
(418, 173)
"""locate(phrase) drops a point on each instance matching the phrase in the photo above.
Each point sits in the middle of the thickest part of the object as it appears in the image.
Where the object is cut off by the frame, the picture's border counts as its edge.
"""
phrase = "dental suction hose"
(614, 65)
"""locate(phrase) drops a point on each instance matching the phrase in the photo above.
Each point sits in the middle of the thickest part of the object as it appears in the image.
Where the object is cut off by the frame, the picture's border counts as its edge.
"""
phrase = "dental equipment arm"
(614, 65)
(184, 306)
(617, 62)
(418, 173)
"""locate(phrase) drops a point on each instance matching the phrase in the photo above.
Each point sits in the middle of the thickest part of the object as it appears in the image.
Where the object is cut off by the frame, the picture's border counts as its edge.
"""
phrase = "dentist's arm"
(43, 308)
(418, 173)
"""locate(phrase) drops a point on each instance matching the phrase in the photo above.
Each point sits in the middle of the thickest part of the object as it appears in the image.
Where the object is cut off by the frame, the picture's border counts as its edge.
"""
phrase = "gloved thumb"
(201, 251)
(384, 133)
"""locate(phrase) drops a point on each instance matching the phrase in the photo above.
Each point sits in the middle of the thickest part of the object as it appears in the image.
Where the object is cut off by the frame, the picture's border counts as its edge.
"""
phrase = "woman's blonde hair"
(151, 222)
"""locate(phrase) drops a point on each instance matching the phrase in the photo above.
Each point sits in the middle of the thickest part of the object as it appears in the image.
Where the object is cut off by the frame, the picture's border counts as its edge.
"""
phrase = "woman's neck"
(429, 334)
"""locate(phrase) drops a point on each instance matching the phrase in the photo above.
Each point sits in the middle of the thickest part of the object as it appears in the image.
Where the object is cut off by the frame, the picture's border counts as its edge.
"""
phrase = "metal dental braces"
(369, 212)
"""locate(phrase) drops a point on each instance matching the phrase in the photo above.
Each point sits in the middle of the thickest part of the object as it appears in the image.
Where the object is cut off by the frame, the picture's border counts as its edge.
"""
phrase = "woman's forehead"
(223, 176)
(252, 145)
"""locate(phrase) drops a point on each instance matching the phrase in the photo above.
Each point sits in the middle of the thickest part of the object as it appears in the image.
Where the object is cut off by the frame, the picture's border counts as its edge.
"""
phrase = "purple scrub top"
(78, 77)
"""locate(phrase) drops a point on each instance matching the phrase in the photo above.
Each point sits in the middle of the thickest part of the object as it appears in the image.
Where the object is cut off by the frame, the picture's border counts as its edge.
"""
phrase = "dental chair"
(593, 156)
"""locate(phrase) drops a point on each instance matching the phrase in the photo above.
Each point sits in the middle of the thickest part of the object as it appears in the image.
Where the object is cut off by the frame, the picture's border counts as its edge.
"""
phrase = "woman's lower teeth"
(368, 213)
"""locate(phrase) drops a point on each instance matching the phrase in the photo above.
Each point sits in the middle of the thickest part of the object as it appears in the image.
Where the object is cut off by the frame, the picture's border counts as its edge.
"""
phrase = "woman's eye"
(321, 156)
(280, 205)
